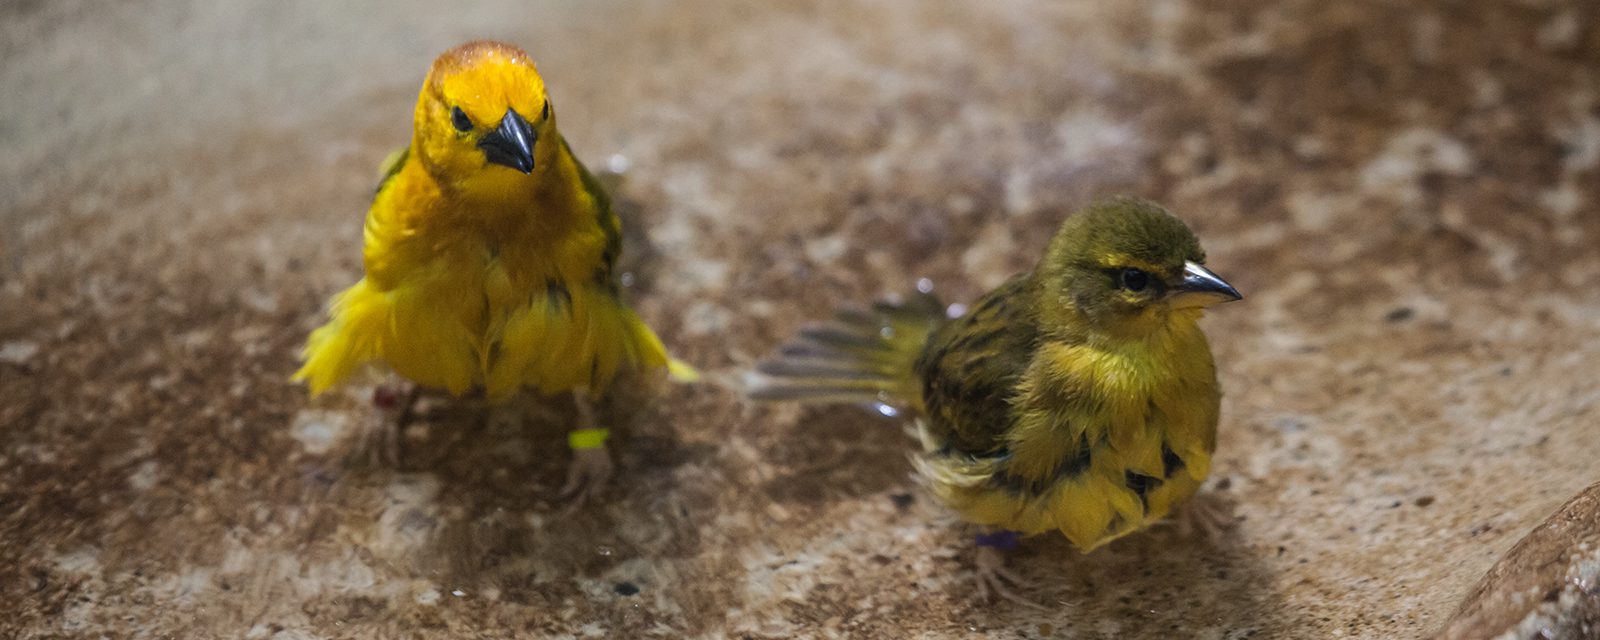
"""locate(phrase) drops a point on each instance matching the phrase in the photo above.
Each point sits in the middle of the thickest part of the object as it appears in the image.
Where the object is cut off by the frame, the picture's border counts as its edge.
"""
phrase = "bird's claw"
(995, 580)
(586, 477)
(1207, 516)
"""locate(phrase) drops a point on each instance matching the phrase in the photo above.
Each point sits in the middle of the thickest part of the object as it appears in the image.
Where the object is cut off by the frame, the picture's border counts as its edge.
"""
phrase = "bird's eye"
(546, 114)
(1133, 280)
(460, 120)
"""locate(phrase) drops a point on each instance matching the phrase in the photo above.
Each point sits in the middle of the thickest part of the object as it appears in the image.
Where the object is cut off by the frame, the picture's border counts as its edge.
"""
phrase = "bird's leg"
(396, 407)
(591, 462)
(994, 579)
(486, 415)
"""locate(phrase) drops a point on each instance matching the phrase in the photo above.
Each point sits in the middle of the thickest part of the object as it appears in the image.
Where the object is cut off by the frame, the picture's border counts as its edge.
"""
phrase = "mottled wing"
(390, 167)
(637, 261)
(970, 369)
(605, 218)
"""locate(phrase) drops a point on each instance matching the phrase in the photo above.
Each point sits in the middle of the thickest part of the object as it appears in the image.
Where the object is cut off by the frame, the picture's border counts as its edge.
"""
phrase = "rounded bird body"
(1079, 397)
(488, 250)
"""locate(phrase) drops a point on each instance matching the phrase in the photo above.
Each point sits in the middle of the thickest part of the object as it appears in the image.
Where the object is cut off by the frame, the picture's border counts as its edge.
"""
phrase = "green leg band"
(581, 439)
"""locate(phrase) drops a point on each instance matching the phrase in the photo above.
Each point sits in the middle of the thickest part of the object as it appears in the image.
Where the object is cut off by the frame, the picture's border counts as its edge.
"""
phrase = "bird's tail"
(861, 357)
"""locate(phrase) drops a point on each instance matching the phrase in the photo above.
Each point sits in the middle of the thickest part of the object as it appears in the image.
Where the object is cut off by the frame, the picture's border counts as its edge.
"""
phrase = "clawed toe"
(587, 477)
(1207, 517)
(994, 579)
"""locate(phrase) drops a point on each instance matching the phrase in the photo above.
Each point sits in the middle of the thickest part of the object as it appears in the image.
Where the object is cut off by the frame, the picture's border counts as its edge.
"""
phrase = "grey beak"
(1201, 288)
(512, 143)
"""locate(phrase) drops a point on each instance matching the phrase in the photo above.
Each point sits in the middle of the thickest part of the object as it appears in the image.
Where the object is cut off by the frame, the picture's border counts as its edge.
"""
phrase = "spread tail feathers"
(862, 357)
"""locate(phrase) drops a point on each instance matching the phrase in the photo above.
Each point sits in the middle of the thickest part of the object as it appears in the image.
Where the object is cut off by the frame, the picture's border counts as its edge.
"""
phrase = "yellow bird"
(1079, 397)
(488, 253)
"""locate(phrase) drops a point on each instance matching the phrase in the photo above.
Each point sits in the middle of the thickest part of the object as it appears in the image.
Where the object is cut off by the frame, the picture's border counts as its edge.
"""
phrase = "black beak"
(511, 144)
(1202, 288)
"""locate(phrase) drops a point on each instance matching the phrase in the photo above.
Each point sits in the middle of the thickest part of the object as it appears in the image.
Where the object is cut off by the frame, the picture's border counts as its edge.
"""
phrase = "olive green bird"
(1079, 397)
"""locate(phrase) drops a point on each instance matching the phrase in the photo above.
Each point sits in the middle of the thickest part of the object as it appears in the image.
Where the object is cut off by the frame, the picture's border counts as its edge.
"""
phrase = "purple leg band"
(1002, 540)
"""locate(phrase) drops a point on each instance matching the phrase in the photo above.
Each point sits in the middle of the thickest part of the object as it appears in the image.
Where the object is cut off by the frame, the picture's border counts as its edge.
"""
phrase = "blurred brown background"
(1405, 192)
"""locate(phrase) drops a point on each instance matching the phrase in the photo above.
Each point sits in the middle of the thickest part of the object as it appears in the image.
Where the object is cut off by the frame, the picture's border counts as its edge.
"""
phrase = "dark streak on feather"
(602, 278)
(1142, 485)
(557, 297)
(1067, 469)
(1170, 462)
(496, 349)
(1074, 466)
(1115, 525)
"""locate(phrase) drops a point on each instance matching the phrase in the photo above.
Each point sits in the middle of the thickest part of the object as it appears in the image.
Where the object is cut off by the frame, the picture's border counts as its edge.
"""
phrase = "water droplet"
(617, 163)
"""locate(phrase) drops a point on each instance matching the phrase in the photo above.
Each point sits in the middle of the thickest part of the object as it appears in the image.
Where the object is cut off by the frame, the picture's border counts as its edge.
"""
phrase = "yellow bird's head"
(483, 122)
(1124, 268)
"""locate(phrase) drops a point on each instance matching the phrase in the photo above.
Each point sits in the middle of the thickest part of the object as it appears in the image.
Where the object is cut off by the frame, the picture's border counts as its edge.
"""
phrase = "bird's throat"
(548, 203)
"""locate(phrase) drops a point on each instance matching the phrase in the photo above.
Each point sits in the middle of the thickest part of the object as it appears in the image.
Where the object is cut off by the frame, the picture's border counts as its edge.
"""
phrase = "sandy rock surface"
(1548, 583)
(1408, 194)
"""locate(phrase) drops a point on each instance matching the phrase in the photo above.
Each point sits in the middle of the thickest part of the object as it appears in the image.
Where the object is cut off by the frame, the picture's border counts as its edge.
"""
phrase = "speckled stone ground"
(1406, 192)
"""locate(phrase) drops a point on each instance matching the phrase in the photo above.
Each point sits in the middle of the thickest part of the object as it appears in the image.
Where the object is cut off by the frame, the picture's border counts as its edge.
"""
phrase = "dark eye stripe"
(460, 120)
(546, 114)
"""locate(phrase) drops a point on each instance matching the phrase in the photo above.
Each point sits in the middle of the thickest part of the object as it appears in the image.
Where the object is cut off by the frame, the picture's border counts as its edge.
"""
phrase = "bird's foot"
(591, 468)
(1207, 516)
(994, 579)
(380, 440)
